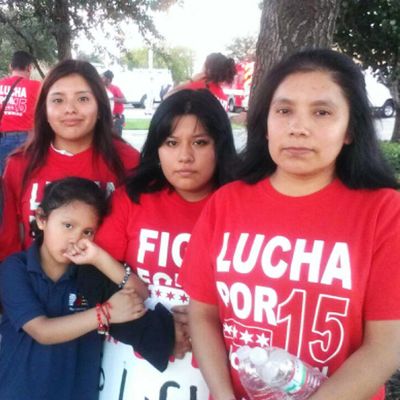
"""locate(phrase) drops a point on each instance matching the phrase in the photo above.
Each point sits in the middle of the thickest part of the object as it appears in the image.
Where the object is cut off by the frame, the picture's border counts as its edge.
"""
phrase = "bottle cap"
(258, 355)
(243, 352)
(279, 355)
(269, 373)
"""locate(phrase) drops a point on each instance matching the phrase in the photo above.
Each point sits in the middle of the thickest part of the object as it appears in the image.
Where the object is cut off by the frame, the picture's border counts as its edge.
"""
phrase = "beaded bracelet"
(105, 308)
(102, 328)
(128, 272)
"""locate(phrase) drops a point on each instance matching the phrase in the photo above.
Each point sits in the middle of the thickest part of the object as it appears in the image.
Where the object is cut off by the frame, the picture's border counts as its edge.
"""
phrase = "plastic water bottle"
(251, 361)
(274, 374)
(290, 375)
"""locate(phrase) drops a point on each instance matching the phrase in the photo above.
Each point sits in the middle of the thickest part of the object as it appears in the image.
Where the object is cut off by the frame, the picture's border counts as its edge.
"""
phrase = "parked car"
(379, 96)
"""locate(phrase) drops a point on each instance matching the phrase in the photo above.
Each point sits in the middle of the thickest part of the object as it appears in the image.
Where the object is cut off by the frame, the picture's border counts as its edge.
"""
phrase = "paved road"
(384, 128)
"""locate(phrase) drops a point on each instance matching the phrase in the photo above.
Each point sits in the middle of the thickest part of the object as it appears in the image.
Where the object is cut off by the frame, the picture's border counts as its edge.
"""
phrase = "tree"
(179, 60)
(24, 32)
(62, 20)
(290, 25)
(243, 48)
(369, 30)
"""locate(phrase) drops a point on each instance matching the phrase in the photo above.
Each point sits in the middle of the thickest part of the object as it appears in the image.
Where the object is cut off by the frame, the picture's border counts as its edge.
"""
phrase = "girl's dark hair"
(37, 147)
(219, 68)
(64, 191)
(360, 164)
(148, 176)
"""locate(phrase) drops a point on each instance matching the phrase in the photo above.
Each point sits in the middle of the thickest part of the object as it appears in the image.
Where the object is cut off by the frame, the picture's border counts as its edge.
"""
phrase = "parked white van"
(379, 96)
(142, 85)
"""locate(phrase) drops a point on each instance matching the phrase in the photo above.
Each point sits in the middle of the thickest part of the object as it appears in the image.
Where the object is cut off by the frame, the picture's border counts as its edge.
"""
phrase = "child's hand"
(182, 340)
(126, 305)
(182, 336)
(181, 314)
(83, 252)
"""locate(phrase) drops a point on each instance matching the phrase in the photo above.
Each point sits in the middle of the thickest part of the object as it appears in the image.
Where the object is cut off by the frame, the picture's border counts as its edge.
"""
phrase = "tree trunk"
(396, 128)
(394, 88)
(290, 25)
(62, 29)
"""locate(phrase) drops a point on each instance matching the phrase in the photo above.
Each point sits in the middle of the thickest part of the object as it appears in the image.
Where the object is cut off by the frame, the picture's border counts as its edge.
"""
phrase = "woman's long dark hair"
(360, 164)
(37, 147)
(148, 176)
(219, 68)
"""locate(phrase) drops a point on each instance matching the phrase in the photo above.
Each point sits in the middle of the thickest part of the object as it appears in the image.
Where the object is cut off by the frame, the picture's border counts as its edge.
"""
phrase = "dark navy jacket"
(71, 370)
(29, 370)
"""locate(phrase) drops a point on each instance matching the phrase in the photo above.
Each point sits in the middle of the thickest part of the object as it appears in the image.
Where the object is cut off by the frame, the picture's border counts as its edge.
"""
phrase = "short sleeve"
(382, 300)
(112, 235)
(18, 297)
(128, 154)
(197, 274)
(9, 226)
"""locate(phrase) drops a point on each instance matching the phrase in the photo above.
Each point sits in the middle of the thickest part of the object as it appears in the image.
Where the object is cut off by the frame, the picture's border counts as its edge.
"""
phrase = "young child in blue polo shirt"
(50, 348)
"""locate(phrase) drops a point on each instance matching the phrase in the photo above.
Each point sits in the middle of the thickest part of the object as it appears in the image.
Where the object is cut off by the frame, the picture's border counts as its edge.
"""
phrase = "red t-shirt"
(19, 207)
(152, 237)
(116, 92)
(300, 273)
(20, 108)
(213, 87)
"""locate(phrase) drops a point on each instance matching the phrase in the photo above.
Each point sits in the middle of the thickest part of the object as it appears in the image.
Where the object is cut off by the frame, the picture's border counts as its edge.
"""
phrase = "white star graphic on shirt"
(262, 340)
(228, 328)
(234, 331)
(246, 337)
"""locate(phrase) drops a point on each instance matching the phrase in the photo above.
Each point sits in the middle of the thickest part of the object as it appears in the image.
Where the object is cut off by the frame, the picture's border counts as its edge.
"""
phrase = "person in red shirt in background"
(17, 119)
(72, 137)
(217, 70)
(119, 100)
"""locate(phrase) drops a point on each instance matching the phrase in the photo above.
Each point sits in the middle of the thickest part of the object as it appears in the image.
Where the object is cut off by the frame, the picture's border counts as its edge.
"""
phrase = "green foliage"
(179, 60)
(391, 152)
(136, 58)
(369, 30)
(53, 24)
(243, 48)
(22, 30)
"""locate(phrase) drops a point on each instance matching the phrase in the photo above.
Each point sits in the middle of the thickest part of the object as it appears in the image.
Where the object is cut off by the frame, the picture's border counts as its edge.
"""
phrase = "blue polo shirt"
(29, 370)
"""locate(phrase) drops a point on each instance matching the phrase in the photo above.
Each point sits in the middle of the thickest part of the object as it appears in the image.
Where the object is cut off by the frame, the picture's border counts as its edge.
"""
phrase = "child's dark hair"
(64, 191)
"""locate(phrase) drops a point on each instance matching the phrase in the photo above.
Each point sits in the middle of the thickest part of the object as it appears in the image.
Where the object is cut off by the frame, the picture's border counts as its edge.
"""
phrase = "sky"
(205, 26)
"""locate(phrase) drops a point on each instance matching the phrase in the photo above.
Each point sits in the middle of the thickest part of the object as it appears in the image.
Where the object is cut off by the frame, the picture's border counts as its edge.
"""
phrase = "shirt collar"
(34, 265)
(63, 152)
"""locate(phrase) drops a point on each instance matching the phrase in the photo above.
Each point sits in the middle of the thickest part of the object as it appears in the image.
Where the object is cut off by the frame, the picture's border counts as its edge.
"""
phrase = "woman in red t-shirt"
(188, 153)
(72, 137)
(303, 251)
(218, 69)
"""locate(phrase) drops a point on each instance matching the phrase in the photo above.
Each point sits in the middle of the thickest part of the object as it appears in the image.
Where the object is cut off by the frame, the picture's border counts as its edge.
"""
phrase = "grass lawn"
(143, 124)
(137, 124)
